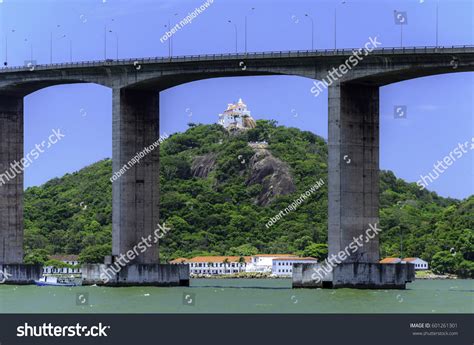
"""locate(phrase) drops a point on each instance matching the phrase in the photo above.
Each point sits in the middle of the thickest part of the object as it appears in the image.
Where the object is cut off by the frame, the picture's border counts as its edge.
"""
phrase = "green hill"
(218, 194)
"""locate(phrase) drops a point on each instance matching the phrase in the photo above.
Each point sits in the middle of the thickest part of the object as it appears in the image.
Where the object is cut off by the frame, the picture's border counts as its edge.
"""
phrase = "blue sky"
(439, 108)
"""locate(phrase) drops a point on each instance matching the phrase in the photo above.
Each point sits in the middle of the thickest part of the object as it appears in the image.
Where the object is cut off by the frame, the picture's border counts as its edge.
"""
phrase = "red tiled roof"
(178, 261)
(390, 261)
(410, 259)
(218, 259)
(63, 257)
(296, 258)
(277, 255)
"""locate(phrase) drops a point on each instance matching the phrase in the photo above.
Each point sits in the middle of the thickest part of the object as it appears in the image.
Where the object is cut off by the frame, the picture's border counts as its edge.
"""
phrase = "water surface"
(240, 296)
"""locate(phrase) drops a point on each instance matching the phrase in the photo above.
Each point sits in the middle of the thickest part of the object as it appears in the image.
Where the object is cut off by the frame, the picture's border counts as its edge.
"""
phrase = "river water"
(240, 296)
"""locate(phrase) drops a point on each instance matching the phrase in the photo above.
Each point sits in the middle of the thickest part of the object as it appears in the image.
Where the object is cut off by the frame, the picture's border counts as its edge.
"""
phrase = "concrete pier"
(353, 191)
(135, 275)
(353, 275)
(19, 274)
(11, 179)
(135, 194)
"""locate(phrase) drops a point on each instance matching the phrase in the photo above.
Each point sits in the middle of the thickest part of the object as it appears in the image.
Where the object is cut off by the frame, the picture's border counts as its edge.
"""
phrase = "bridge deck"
(248, 56)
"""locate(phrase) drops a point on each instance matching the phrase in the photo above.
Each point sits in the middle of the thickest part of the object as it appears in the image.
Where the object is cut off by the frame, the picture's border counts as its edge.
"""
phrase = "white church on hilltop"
(236, 117)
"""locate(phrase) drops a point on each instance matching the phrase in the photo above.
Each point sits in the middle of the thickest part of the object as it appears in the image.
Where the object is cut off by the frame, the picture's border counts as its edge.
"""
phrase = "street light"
(6, 47)
(51, 45)
(437, 7)
(116, 43)
(253, 8)
(235, 27)
(170, 40)
(31, 49)
(70, 46)
(335, 24)
(312, 30)
(105, 41)
(70, 50)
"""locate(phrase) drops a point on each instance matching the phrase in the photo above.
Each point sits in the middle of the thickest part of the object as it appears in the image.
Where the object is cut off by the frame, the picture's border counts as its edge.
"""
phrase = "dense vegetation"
(218, 215)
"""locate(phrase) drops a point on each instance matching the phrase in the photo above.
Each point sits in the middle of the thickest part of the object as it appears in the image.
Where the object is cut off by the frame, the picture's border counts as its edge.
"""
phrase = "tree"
(317, 250)
(465, 269)
(444, 262)
(241, 262)
(95, 254)
(243, 250)
(225, 262)
(36, 257)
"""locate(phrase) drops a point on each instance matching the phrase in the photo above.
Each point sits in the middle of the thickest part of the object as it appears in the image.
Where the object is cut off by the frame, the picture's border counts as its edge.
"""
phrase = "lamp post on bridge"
(70, 50)
(335, 24)
(116, 43)
(437, 8)
(51, 44)
(31, 49)
(235, 27)
(312, 30)
(170, 40)
(252, 9)
(105, 40)
(6, 46)
(401, 18)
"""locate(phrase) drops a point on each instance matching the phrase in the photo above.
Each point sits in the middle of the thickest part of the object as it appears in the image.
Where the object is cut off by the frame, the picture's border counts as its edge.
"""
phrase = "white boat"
(57, 281)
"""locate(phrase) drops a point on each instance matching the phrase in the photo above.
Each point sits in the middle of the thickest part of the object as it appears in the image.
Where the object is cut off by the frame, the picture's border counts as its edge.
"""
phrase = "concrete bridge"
(353, 130)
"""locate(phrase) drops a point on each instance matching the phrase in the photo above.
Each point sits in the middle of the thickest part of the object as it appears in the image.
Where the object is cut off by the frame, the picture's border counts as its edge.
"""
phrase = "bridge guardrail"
(230, 56)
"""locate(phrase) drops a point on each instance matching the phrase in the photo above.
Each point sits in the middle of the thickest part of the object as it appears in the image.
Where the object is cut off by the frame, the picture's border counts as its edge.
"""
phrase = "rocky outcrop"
(202, 165)
(265, 169)
(273, 174)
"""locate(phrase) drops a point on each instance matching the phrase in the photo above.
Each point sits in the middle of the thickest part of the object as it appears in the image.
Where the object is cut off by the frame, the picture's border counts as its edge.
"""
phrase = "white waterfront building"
(215, 265)
(276, 264)
(419, 263)
(284, 266)
(67, 259)
(264, 262)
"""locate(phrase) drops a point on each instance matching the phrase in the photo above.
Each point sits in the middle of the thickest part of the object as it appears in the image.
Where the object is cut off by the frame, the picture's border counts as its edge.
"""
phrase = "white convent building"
(236, 117)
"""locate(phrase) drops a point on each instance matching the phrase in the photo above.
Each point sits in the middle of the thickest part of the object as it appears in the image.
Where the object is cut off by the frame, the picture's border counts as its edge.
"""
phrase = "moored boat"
(57, 281)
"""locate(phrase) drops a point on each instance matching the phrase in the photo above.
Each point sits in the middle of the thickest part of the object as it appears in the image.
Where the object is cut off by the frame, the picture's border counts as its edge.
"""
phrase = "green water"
(241, 296)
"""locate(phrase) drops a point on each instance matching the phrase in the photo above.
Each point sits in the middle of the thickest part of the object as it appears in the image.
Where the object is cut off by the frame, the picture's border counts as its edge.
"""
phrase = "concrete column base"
(353, 275)
(135, 275)
(20, 274)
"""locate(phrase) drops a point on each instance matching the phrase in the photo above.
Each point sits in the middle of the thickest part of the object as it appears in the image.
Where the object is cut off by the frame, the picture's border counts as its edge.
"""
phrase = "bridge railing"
(244, 56)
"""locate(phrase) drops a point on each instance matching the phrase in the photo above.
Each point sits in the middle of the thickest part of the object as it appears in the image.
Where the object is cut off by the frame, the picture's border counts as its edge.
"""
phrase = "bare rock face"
(202, 165)
(273, 174)
(265, 169)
